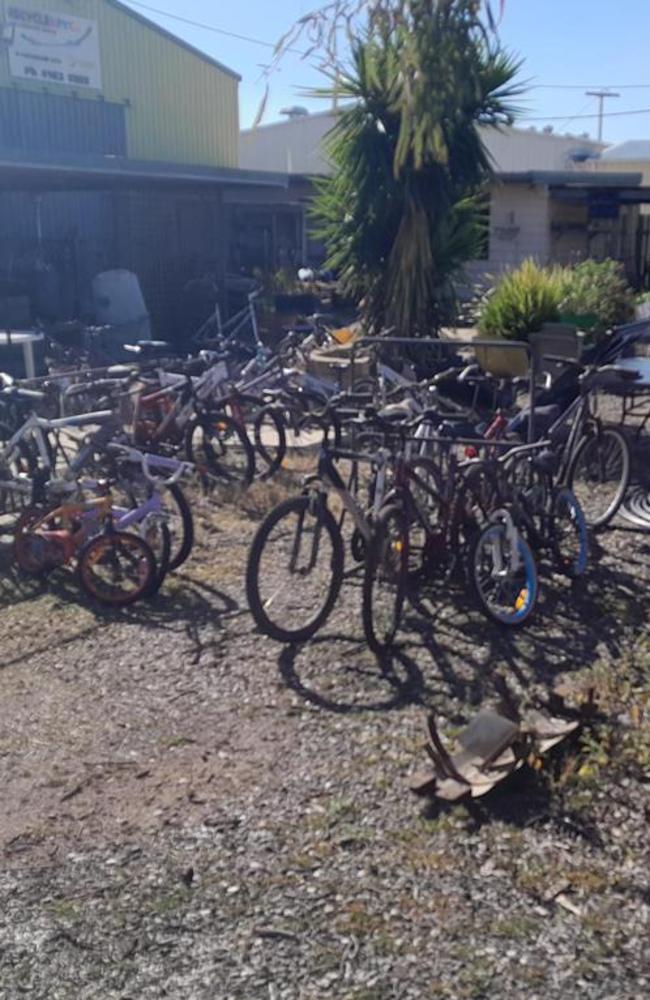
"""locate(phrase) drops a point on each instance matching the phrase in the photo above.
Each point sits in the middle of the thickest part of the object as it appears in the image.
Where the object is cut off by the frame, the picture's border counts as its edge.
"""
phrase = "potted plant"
(597, 297)
(519, 304)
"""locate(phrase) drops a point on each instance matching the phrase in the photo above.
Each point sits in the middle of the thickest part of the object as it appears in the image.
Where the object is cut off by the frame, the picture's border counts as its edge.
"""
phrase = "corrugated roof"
(66, 170)
(632, 149)
(172, 37)
(572, 178)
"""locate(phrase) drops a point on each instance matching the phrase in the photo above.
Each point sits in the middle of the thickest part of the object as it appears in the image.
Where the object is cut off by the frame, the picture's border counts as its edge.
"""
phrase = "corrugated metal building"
(297, 147)
(137, 89)
(118, 148)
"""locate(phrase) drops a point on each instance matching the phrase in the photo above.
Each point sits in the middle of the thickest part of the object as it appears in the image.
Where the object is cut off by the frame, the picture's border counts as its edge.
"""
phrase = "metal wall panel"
(180, 107)
(46, 123)
(297, 146)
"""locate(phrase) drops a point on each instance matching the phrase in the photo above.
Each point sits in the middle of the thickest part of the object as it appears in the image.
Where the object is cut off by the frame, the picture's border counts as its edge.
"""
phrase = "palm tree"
(403, 211)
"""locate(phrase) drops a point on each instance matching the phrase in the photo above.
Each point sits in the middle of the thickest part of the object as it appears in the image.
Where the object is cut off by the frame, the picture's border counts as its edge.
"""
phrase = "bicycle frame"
(34, 428)
(329, 475)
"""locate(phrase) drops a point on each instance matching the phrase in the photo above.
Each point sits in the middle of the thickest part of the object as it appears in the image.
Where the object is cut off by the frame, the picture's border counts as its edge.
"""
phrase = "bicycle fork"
(511, 534)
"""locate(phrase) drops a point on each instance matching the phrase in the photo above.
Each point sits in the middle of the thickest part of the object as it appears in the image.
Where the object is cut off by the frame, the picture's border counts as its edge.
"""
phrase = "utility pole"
(601, 95)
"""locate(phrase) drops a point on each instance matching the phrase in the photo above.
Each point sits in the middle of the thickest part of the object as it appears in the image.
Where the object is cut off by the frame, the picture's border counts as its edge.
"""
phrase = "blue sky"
(582, 43)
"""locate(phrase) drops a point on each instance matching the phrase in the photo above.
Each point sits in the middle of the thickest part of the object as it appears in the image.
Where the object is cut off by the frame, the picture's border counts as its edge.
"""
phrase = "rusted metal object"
(494, 745)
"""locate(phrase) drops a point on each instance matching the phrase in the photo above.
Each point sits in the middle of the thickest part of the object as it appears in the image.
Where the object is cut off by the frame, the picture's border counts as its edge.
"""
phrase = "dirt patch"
(190, 810)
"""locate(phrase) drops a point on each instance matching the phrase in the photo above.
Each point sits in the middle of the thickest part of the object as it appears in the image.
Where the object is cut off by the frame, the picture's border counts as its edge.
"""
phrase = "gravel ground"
(191, 811)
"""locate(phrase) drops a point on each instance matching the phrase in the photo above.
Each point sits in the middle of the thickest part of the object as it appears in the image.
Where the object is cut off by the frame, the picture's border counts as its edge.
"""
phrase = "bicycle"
(302, 536)
(594, 459)
(114, 566)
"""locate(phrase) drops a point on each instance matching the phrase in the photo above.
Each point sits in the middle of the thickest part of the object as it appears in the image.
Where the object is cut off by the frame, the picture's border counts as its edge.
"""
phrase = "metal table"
(25, 339)
(634, 396)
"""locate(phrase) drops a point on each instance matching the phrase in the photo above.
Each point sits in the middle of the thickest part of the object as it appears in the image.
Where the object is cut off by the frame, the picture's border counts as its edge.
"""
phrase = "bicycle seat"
(547, 462)
(451, 428)
(545, 417)
(449, 374)
(150, 348)
(395, 411)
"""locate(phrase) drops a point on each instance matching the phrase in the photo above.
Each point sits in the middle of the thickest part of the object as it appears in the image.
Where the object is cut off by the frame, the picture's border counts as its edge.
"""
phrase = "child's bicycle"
(115, 567)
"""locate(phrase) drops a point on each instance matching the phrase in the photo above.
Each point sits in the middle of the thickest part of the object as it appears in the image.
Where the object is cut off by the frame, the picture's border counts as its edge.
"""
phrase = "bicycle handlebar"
(146, 459)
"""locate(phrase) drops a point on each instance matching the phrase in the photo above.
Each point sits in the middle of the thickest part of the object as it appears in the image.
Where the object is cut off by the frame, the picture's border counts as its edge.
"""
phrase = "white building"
(555, 197)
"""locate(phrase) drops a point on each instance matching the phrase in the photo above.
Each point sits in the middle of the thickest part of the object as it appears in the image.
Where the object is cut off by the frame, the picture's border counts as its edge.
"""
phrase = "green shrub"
(599, 289)
(522, 301)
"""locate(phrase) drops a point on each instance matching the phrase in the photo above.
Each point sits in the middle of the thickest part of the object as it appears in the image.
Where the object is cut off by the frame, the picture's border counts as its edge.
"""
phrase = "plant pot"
(504, 362)
(582, 321)
(333, 364)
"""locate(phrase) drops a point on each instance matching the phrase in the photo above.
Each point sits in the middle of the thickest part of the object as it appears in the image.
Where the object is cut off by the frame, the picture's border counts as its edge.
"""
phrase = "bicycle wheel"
(569, 534)
(30, 550)
(180, 523)
(117, 569)
(155, 532)
(216, 443)
(130, 482)
(599, 475)
(425, 486)
(270, 440)
(504, 583)
(385, 578)
(295, 569)
(16, 473)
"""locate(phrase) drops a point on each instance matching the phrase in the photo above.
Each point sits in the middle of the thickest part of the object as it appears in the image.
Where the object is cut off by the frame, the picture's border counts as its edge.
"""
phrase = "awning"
(33, 171)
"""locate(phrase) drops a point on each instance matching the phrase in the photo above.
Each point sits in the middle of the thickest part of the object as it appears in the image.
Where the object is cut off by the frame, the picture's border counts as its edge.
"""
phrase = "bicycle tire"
(217, 426)
(23, 554)
(181, 550)
(91, 553)
(426, 500)
(137, 489)
(161, 550)
(383, 549)
(325, 422)
(619, 441)
(296, 506)
(272, 455)
(524, 604)
(571, 565)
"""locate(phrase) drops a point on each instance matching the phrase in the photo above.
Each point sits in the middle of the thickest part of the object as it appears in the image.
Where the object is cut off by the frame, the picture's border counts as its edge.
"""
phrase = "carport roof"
(20, 171)
(574, 178)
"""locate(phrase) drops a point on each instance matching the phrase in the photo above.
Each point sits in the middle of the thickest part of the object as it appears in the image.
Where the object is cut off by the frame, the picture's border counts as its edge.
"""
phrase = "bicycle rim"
(569, 534)
(117, 569)
(270, 440)
(386, 573)
(599, 476)
(506, 587)
(217, 444)
(153, 529)
(295, 569)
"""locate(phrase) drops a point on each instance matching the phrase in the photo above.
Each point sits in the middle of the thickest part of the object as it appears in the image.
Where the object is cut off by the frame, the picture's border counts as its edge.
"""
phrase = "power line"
(588, 86)
(209, 27)
(272, 45)
(565, 122)
(607, 114)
